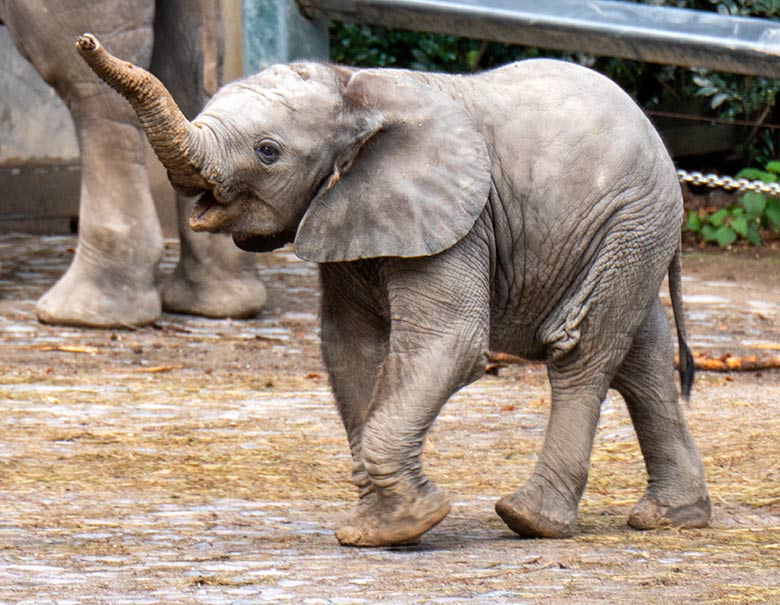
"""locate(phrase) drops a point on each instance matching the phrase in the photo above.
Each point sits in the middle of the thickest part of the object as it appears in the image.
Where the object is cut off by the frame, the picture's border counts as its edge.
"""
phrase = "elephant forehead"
(274, 97)
(286, 72)
(245, 105)
(264, 113)
(296, 80)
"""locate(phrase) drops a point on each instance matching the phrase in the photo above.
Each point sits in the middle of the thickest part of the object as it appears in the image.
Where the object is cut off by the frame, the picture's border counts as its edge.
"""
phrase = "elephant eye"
(267, 152)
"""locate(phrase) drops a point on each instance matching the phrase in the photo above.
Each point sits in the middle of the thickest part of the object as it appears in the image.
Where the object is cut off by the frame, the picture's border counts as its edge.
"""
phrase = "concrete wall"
(275, 32)
(39, 156)
(34, 123)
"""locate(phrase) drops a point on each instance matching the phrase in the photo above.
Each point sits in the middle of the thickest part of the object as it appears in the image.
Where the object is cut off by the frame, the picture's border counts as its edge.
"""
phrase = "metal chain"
(728, 183)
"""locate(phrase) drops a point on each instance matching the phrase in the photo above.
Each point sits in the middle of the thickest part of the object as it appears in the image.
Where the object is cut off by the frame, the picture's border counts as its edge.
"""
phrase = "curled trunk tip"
(179, 145)
(87, 43)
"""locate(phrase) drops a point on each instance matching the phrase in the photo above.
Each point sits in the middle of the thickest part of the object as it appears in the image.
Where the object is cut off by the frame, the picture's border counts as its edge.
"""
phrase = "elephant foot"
(393, 521)
(533, 512)
(237, 296)
(651, 513)
(80, 298)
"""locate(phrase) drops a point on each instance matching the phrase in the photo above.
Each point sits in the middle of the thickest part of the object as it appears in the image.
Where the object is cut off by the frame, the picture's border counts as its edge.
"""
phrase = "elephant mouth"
(210, 214)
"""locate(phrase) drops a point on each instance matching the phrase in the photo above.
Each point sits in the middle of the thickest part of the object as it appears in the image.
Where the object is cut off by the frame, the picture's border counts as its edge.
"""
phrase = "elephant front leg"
(398, 502)
(355, 339)
(413, 384)
(111, 281)
(213, 278)
(421, 371)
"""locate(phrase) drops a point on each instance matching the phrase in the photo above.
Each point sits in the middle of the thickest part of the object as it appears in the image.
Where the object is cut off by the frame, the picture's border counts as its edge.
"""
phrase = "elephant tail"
(686, 367)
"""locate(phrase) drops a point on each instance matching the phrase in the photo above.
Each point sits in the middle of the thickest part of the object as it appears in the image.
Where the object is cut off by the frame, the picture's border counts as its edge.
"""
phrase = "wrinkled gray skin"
(532, 210)
(111, 281)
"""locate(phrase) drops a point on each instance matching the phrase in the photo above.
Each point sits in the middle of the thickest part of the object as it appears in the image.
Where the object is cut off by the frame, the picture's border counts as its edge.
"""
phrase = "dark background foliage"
(662, 90)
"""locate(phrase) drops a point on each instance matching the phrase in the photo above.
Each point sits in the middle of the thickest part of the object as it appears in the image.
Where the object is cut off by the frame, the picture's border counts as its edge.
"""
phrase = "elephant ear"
(416, 180)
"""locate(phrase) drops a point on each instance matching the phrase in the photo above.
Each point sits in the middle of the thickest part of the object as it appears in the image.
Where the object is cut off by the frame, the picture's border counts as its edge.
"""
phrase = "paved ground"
(202, 461)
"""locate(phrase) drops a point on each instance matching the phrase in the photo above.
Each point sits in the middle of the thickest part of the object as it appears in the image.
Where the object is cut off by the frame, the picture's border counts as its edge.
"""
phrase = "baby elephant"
(532, 209)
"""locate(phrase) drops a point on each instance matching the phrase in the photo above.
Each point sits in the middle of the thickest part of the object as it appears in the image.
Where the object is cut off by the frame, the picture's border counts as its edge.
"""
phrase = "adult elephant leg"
(355, 335)
(438, 343)
(213, 277)
(676, 491)
(110, 282)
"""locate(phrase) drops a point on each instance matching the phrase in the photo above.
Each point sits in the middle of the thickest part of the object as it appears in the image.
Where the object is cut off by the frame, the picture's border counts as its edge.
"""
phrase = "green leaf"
(772, 212)
(751, 174)
(694, 222)
(716, 219)
(753, 203)
(725, 236)
(719, 99)
(740, 225)
(707, 91)
(754, 236)
(422, 58)
(773, 167)
(709, 233)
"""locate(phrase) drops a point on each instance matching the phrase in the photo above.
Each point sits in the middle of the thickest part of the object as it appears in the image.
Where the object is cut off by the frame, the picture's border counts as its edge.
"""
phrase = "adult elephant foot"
(394, 520)
(193, 293)
(538, 511)
(652, 513)
(100, 298)
(213, 278)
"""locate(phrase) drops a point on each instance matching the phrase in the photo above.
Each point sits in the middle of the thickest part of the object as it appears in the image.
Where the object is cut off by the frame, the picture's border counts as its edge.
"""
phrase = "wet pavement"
(202, 461)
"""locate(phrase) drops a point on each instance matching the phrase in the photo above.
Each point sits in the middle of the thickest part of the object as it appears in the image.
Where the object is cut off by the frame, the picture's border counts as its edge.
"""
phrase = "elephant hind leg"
(676, 493)
(546, 505)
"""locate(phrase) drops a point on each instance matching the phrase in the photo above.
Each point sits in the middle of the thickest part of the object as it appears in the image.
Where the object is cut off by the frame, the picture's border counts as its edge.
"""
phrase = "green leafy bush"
(755, 213)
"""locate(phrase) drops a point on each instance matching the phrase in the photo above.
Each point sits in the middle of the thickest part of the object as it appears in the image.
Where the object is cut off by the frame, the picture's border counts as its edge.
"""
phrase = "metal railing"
(642, 32)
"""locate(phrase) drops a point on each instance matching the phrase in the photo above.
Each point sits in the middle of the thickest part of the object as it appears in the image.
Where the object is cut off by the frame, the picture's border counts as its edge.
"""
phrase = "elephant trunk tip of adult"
(180, 146)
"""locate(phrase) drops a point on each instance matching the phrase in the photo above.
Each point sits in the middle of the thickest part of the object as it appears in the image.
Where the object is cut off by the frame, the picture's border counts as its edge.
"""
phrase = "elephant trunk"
(180, 145)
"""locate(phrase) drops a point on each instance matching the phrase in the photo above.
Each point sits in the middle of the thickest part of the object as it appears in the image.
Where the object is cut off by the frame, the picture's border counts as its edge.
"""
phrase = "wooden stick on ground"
(701, 361)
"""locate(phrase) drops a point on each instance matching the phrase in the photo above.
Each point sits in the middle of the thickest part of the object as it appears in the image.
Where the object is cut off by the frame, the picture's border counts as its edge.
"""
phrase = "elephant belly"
(508, 334)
